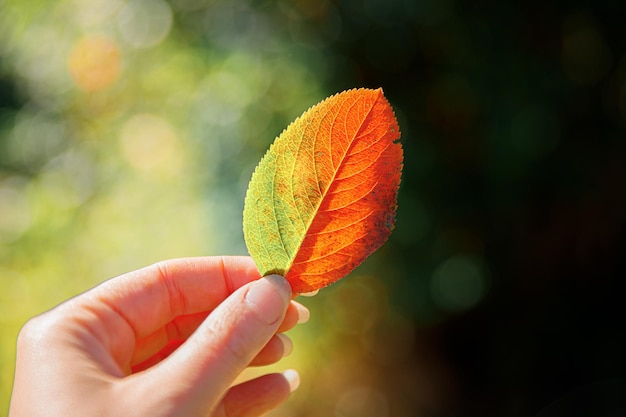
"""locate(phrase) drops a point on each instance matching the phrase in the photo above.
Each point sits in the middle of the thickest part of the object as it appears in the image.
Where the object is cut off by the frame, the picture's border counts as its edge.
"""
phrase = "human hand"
(166, 340)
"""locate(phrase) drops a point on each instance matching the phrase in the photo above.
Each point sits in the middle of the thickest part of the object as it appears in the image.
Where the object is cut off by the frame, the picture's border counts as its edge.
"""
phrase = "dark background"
(515, 113)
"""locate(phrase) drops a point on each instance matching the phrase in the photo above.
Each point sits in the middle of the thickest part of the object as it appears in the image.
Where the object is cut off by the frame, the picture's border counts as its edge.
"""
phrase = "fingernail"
(303, 313)
(310, 293)
(293, 378)
(269, 297)
(287, 344)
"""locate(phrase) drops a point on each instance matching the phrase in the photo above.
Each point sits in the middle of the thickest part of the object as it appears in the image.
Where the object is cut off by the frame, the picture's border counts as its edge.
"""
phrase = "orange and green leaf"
(323, 198)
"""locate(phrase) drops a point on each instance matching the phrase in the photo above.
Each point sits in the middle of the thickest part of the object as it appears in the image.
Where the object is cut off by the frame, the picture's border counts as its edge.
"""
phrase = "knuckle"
(36, 330)
(176, 297)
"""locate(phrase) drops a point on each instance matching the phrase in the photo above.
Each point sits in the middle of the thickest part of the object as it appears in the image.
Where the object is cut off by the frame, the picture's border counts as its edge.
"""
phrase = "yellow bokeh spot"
(94, 63)
(151, 145)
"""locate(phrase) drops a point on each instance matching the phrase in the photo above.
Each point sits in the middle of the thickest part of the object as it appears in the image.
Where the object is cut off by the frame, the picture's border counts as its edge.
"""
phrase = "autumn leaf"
(323, 198)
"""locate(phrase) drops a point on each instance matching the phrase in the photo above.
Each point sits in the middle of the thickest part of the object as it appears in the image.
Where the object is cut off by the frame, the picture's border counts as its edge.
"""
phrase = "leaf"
(323, 198)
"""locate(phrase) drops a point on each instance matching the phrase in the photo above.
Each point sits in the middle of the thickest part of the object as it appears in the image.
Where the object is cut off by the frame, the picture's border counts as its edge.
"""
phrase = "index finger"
(149, 298)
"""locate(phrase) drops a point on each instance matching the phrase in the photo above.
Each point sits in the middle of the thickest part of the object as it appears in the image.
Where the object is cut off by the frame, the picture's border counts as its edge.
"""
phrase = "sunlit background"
(129, 131)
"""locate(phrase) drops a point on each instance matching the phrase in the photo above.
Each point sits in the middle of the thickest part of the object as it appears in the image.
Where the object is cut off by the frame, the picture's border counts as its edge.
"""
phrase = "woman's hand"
(166, 340)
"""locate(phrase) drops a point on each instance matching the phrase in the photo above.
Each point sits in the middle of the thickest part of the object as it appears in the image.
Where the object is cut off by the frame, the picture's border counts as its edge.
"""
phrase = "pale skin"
(166, 340)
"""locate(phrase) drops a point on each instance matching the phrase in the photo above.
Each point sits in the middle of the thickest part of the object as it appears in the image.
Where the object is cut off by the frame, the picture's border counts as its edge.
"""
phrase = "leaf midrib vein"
(335, 169)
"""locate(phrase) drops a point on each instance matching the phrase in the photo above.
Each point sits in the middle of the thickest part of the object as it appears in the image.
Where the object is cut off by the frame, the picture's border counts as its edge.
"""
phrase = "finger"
(296, 313)
(182, 327)
(178, 329)
(258, 396)
(135, 305)
(225, 344)
(151, 297)
(277, 348)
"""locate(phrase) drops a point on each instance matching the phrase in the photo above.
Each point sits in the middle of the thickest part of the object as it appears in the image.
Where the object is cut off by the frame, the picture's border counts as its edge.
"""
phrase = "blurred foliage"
(129, 131)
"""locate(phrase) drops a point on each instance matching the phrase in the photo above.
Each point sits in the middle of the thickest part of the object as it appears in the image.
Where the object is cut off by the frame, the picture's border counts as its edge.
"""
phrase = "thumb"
(226, 342)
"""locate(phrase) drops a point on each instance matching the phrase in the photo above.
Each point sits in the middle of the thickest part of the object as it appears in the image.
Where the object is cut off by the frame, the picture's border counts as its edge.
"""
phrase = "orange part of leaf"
(324, 196)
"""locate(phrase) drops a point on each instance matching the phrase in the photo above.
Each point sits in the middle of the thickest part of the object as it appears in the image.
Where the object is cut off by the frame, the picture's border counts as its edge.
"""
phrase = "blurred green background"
(129, 131)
